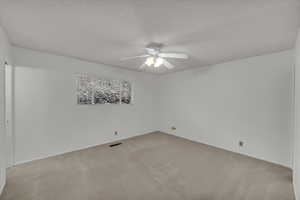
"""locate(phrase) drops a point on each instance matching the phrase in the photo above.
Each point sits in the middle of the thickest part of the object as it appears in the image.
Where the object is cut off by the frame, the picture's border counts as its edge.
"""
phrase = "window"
(93, 90)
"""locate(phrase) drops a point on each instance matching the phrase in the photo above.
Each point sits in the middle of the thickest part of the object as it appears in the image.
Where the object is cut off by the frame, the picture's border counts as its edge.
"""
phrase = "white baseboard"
(227, 149)
(79, 148)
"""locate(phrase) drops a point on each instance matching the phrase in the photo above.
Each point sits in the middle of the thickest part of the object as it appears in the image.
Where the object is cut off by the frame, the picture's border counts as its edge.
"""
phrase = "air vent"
(115, 144)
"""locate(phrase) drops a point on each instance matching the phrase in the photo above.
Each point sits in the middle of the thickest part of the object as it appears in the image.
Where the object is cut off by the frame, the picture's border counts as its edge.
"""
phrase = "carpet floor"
(154, 166)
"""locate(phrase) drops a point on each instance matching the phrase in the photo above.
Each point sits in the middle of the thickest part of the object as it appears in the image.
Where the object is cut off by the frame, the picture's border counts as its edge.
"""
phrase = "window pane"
(126, 92)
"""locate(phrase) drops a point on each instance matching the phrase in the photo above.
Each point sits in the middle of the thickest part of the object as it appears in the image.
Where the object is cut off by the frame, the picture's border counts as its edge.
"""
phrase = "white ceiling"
(210, 31)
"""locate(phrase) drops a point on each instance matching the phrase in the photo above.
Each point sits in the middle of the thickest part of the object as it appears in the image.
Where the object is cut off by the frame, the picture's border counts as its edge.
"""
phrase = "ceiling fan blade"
(134, 57)
(173, 55)
(168, 65)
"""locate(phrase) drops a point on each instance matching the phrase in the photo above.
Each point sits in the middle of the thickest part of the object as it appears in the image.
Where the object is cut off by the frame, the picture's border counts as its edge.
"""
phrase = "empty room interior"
(150, 100)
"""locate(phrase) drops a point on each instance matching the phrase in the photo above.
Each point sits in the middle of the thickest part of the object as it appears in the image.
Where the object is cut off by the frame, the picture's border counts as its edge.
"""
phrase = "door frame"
(9, 102)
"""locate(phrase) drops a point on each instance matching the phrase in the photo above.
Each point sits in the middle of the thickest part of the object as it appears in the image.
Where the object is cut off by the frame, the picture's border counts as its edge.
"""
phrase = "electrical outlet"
(116, 133)
(241, 143)
(173, 128)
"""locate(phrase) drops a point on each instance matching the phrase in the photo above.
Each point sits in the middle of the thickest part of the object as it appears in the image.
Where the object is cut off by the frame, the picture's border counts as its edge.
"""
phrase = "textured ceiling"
(103, 31)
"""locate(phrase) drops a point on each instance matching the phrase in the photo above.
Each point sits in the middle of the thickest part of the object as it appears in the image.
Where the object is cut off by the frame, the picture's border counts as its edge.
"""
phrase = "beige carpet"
(155, 166)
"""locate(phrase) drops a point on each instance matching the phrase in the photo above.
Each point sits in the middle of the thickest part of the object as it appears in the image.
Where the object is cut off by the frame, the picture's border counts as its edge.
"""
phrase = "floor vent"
(116, 144)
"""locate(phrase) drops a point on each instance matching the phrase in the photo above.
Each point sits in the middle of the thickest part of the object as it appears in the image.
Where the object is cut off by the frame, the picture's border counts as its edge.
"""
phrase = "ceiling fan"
(156, 58)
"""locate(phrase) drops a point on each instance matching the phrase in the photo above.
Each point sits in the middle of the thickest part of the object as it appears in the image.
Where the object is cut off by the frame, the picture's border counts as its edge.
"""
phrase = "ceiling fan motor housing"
(154, 48)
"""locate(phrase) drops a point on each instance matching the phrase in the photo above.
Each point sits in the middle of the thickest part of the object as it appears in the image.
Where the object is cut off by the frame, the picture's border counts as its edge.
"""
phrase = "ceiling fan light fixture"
(155, 58)
(158, 62)
(149, 61)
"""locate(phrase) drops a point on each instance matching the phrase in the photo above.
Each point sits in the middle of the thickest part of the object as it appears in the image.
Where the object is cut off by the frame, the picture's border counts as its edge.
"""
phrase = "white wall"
(47, 119)
(4, 56)
(248, 100)
(297, 122)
